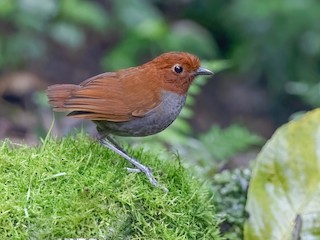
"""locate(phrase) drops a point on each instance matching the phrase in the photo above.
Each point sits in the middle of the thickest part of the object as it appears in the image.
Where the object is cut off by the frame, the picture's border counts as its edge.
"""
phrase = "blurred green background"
(270, 55)
(266, 55)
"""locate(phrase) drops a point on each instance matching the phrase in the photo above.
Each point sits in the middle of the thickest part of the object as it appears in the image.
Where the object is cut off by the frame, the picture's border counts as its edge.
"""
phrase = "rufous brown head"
(177, 70)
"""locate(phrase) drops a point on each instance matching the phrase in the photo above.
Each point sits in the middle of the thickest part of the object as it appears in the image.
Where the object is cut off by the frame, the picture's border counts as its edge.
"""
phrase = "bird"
(136, 102)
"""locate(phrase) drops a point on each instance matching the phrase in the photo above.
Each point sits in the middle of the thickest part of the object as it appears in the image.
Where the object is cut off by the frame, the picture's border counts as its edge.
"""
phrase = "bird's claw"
(149, 175)
(133, 170)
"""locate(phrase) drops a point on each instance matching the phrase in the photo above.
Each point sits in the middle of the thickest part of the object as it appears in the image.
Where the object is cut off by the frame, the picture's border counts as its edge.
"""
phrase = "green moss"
(73, 187)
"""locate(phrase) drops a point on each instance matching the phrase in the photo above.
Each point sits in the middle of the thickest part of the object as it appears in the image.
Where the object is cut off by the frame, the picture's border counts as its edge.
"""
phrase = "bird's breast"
(152, 122)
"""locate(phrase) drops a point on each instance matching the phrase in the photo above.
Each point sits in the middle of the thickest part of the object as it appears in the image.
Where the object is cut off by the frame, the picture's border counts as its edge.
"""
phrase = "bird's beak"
(203, 71)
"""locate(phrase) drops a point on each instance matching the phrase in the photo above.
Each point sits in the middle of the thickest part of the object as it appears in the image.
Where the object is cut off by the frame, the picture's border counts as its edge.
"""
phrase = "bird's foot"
(148, 172)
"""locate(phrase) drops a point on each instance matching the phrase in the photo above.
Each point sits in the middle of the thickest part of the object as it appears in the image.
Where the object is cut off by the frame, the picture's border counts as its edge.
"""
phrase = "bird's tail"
(58, 94)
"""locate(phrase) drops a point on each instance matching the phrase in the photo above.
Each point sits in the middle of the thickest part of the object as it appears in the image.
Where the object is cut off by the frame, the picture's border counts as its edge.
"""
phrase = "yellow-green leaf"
(284, 193)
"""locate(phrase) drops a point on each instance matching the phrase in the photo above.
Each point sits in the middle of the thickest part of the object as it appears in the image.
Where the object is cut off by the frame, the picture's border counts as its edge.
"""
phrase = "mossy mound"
(73, 187)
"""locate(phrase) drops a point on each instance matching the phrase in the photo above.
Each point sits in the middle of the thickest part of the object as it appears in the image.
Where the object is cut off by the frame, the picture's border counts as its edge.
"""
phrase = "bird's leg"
(110, 143)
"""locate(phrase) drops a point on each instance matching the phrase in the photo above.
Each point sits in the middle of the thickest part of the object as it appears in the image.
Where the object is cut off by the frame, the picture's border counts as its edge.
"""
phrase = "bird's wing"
(117, 96)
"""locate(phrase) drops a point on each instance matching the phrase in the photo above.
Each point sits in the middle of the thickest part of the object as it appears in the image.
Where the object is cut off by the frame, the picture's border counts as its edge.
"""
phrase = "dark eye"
(177, 68)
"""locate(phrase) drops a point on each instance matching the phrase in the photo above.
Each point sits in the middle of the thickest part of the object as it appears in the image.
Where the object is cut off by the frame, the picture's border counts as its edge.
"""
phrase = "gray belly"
(153, 122)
